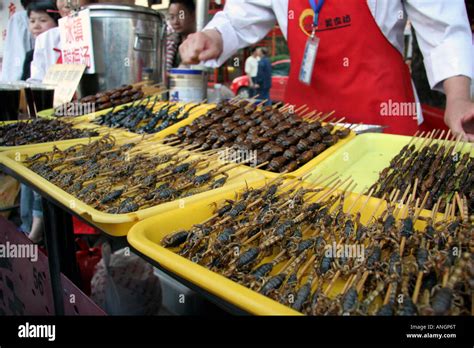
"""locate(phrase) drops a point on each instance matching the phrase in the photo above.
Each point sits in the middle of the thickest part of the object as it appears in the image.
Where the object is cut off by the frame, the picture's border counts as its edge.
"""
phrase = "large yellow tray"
(113, 224)
(147, 235)
(365, 157)
(300, 171)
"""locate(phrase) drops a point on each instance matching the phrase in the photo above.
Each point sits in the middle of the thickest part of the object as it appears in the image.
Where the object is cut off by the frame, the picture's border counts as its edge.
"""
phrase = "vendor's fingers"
(211, 51)
(467, 123)
(470, 137)
(192, 47)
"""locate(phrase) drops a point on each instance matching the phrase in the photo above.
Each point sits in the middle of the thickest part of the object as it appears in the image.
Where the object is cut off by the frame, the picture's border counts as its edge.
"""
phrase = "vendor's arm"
(445, 39)
(241, 24)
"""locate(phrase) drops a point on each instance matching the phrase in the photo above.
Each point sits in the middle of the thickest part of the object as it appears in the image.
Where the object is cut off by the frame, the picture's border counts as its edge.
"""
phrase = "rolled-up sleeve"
(241, 24)
(445, 39)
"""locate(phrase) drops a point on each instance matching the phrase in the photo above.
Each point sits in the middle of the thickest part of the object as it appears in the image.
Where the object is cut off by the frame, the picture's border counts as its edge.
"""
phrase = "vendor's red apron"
(358, 73)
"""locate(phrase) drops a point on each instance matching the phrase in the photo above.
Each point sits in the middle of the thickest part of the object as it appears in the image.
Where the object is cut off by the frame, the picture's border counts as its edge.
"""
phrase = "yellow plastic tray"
(147, 235)
(46, 113)
(364, 158)
(300, 171)
(113, 224)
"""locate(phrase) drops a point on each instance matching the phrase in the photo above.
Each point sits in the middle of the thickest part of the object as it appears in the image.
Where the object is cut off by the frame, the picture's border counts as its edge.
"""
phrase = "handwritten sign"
(65, 78)
(76, 37)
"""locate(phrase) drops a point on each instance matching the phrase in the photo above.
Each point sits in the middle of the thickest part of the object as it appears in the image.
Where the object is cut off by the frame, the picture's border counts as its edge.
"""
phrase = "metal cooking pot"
(128, 44)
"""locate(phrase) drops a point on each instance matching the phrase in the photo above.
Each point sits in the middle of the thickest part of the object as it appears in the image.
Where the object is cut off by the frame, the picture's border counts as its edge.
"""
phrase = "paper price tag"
(65, 78)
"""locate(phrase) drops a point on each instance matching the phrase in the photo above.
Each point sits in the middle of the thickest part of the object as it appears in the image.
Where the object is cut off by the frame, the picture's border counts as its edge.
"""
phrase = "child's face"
(39, 22)
(64, 9)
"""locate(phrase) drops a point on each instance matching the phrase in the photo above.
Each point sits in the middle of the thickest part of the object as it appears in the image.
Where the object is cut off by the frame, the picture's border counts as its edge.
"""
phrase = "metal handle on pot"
(139, 39)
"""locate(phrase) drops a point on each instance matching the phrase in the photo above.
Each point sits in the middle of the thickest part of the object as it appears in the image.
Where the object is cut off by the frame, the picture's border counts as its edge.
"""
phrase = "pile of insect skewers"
(37, 131)
(135, 174)
(279, 240)
(107, 99)
(285, 137)
(440, 166)
(148, 115)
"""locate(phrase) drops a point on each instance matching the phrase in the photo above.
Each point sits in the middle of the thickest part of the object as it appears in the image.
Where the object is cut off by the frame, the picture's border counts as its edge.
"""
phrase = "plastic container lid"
(186, 71)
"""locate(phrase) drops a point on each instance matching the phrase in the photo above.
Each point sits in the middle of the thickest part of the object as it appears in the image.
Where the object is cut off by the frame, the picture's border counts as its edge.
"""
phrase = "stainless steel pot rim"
(121, 7)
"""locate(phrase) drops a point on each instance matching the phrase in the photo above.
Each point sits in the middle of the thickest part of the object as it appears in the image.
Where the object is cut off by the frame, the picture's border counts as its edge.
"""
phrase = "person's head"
(42, 16)
(182, 16)
(64, 8)
(262, 51)
(254, 52)
(25, 3)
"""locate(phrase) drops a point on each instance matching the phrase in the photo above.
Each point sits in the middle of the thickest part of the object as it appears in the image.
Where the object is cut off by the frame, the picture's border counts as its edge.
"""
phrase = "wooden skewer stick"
(302, 270)
(338, 121)
(415, 186)
(387, 295)
(302, 107)
(362, 281)
(309, 115)
(392, 194)
(404, 238)
(419, 278)
(287, 264)
(262, 102)
(363, 204)
(327, 116)
(460, 206)
(315, 117)
(347, 284)
(381, 201)
(420, 209)
(416, 292)
(336, 186)
(277, 105)
(302, 111)
(400, 205)
(445, 277)
(456, 144)
(284, 107)
(333, 281)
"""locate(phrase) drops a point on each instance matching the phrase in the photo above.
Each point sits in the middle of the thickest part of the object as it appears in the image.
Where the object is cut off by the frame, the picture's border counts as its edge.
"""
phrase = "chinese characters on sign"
(65, 78)
(76, 36)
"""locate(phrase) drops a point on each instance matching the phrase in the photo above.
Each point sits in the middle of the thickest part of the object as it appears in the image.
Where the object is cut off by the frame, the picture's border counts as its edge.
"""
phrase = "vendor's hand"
(459, 116)
(201, 46)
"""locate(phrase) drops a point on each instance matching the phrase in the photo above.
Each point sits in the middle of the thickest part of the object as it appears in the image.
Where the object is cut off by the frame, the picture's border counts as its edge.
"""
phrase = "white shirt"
(18, 41)
(442, 28)
(45, 55)
(251, 66)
